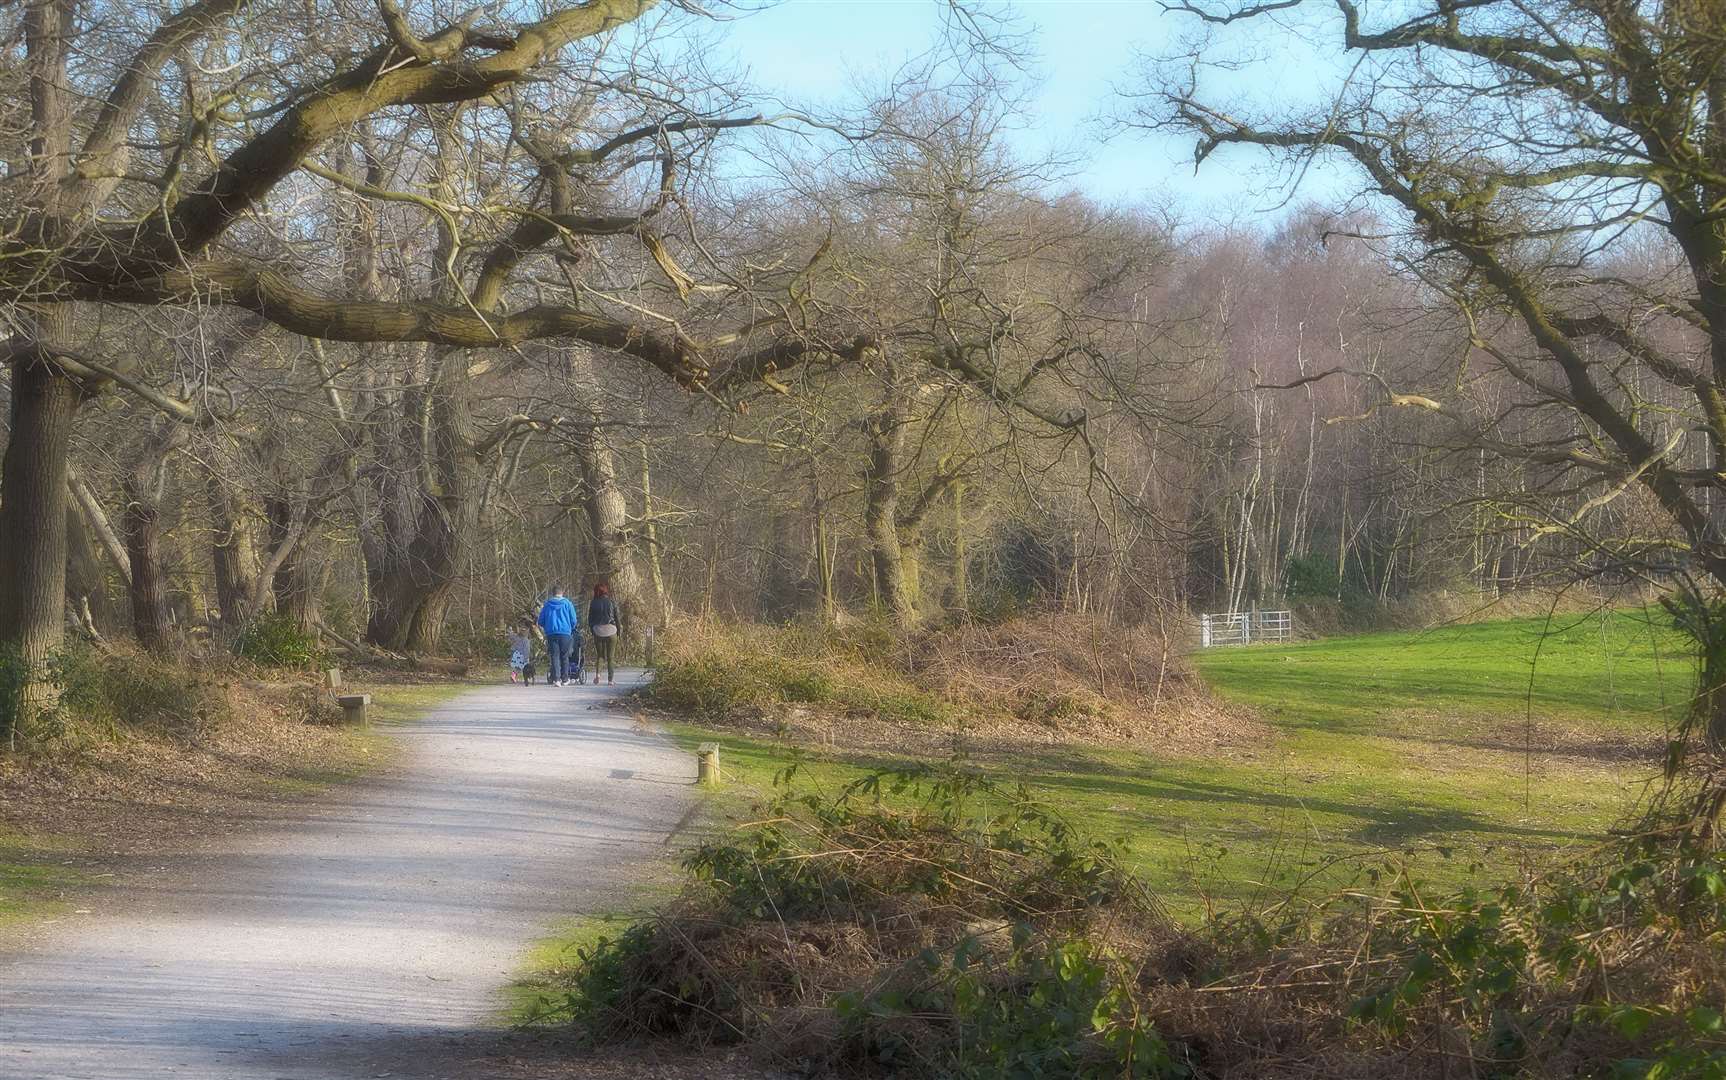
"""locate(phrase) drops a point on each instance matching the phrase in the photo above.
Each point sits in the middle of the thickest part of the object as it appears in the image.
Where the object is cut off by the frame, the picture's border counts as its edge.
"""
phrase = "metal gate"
(1245, 627)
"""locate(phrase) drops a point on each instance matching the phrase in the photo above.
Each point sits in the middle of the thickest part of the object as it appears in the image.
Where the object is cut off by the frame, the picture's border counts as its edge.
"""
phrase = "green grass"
(367, 748)
(1614, 671)
(401, 703)
(1384, 746)
(539, 989)
(33, 879)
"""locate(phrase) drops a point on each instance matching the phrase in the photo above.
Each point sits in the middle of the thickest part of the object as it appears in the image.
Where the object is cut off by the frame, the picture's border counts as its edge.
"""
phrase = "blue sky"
(810, 50)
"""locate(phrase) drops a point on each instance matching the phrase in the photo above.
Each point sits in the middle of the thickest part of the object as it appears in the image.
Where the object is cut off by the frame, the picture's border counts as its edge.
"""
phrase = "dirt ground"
(138, 792)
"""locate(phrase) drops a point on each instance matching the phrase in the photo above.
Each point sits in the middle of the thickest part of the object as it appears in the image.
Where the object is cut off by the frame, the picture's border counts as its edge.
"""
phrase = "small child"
(520, 650)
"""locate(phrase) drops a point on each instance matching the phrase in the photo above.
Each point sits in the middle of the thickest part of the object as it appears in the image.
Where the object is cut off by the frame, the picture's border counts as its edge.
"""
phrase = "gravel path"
(371, 937)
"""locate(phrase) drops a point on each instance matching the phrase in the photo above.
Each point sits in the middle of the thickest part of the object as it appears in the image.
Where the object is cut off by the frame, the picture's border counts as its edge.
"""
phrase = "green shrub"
(100, 693)
(276, 641)
(1053, 1007)
(810, 687)
(601, 975)
(720, 674)
(928, 922)
(136, 690)
(714, 686)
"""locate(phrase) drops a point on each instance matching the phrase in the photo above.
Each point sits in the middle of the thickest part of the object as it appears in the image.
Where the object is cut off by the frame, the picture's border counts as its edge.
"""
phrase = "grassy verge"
(1468, 750)
(35, 876)
(959, 930)
(360, 751)
(400, 703)
(540, 988)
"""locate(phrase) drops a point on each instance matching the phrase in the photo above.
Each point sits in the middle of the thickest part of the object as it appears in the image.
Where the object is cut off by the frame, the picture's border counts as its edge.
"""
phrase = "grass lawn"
(1465, 747)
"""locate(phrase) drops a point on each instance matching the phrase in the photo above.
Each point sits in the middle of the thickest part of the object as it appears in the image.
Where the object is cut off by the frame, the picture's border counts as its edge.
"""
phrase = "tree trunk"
(413, 576)
(1711, 697)
(234, 554)
(294, 586)
(45, 400)
(608, 521)
(961, 555)
(911, 566)
(893, 586)
(86, 578)
(142, 527)
(607, 510)
(824, 554)
(33, 526)
(417, 591)
(425, 630)
(143, 489)
(95, 520)
(662, 611)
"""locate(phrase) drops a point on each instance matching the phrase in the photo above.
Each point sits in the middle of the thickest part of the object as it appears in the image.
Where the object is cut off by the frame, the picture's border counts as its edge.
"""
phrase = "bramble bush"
(930, 922)
(925, 921)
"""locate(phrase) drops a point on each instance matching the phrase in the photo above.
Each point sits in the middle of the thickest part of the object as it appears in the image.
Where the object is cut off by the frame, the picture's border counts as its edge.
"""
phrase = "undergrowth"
(99, 693)
(276, 641)
(1038, 672)
(718, 673)
(103, 694)
(931, 922)
(949, 932)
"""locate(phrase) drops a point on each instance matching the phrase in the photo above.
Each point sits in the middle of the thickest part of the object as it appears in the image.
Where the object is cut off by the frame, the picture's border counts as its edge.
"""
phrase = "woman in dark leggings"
(602, 621)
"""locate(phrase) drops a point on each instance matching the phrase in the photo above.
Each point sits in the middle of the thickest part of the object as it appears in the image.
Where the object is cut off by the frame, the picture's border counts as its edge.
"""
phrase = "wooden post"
(707, 763)
(354, 707)
(647, 647)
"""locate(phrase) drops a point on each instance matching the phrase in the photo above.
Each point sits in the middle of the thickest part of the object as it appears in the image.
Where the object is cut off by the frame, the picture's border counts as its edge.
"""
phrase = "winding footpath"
(374, 932)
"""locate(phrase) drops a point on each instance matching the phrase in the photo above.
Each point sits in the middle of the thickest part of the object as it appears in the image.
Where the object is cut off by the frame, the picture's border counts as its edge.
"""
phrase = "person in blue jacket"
(558, 619)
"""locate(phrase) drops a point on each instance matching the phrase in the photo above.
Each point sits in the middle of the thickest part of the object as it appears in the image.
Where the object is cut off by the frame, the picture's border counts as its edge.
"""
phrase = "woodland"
(381, 324)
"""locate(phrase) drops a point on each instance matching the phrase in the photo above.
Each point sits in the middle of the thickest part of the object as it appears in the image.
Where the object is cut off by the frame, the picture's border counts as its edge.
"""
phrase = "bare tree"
(1520, 147)
(166, 140)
